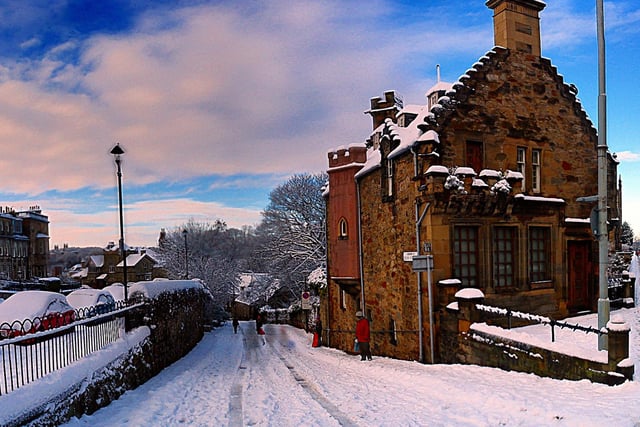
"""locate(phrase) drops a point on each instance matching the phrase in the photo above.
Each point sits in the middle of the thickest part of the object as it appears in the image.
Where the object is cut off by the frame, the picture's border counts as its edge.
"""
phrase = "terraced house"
(484, 177)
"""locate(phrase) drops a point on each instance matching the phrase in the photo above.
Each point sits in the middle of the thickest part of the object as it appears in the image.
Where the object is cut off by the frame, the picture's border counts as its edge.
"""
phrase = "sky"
(280, 379)
(216, 103)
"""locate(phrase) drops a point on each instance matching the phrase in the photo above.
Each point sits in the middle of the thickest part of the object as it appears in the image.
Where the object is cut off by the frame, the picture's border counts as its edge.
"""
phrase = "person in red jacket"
(363, 336)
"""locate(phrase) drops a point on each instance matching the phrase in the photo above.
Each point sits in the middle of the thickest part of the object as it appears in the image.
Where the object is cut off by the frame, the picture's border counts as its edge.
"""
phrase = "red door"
(579, 275)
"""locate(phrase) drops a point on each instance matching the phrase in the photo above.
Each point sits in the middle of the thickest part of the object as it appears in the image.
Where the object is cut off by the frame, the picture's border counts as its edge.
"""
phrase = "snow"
(31, 304)
(437, 170)
(153, 288)
(539, 199)
(469, 293)
(279, 379)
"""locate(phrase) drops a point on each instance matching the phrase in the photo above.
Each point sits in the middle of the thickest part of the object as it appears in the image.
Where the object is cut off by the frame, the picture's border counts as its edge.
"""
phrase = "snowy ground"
(280, 380)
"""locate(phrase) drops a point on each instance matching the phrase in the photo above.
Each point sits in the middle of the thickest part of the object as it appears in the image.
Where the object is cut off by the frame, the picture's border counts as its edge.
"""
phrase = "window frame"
(521, 163)
(540, 254)
(466, 263)
(504, 241)
(536, 170)
(343, 229)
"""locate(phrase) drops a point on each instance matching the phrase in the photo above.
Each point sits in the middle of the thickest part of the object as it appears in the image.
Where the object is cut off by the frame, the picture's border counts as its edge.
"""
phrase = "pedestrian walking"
(363, 336)
(259, 329)
(235, 325)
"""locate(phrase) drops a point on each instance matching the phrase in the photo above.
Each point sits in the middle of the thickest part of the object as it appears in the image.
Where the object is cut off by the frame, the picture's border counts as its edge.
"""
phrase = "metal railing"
(534, 318)
(28, 354)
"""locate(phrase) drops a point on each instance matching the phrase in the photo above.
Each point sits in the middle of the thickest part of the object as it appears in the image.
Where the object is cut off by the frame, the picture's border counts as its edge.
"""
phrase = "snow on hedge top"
(152, 289)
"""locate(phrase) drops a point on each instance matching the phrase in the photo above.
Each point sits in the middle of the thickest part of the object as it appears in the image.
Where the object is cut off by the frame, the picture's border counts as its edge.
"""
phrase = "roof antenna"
(438, 73)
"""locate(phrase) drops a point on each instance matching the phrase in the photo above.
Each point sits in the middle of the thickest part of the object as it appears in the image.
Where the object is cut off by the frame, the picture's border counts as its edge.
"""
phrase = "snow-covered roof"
(97, 260)
(134, 259)
(254, 287)
(373, 162)
(438, 87)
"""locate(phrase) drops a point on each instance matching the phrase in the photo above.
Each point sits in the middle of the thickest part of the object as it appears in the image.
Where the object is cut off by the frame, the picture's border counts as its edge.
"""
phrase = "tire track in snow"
(313, 391)
(236, 418)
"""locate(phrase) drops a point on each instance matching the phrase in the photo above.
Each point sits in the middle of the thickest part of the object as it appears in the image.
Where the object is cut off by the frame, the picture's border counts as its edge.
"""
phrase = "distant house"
(253, 292)
(484, 178)
(102, 270)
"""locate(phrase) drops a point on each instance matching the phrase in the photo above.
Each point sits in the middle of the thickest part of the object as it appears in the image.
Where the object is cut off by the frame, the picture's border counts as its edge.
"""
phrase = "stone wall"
(175, 320)
(464, 344)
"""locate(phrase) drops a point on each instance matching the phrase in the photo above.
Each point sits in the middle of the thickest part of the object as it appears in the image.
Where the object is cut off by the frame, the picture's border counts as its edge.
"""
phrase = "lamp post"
(186, 254)
(117, 151)
(603, 238)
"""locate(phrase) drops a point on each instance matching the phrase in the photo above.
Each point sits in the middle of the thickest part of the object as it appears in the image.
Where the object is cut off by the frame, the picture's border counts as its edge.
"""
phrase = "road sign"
(306, 300)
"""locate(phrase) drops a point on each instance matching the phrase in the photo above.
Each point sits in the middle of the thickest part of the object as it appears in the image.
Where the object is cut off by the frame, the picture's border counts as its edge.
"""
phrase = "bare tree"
(293, 228)
(204, 253)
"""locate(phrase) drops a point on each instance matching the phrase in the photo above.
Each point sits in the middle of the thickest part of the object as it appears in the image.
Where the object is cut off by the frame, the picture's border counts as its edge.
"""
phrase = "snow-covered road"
(280, 380)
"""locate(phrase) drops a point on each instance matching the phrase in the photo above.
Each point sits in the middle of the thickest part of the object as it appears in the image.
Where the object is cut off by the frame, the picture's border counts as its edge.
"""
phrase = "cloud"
(141, 220)
(628, 156)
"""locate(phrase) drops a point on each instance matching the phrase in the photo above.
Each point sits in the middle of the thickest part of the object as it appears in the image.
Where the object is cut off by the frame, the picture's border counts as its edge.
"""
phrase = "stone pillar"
(468, 313)
(618, 343)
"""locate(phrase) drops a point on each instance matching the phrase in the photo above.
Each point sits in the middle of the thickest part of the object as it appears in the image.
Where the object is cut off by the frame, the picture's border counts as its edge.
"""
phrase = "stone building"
(484, 178)
(24, 244)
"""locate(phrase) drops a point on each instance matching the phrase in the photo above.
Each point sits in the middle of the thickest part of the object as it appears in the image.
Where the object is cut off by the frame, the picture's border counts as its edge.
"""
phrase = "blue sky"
(218, 102)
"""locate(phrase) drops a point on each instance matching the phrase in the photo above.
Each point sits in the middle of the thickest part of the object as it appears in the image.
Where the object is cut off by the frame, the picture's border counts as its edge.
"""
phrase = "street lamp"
(186, 254)
(603, 238)
(117, 151)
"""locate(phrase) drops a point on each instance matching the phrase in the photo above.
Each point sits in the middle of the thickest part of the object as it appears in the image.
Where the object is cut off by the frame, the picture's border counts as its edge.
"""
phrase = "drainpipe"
(326, 269)
(359, 213)
(419, 219)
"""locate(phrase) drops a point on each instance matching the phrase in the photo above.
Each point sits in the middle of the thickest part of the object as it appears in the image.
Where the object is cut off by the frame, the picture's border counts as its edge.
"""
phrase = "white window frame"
(389, 177)
(521, 160)
(536, 170)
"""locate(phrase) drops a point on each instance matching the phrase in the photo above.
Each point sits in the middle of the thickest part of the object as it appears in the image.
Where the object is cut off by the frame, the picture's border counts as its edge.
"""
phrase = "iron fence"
(28, 354)
(534, 318)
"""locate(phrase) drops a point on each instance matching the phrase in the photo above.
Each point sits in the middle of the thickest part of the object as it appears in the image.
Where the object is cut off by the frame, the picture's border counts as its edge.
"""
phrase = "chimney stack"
(516, 24)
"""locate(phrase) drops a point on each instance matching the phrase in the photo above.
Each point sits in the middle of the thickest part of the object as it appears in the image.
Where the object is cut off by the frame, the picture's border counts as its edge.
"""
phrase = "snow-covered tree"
(293, 229)
(626, 234)
(208, 252)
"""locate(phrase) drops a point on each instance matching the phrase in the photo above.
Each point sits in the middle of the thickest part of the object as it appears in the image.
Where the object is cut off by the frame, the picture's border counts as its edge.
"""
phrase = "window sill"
(543, 284)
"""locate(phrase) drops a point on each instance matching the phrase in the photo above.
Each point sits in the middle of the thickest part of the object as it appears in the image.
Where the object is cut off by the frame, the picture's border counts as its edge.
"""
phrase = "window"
(465, 255)
(504, 247)
(539, 254)
(112, 269)
(536, 166)
(393, 331)
(474, 155)
(343, 231)
(389, 178)
(521, 161)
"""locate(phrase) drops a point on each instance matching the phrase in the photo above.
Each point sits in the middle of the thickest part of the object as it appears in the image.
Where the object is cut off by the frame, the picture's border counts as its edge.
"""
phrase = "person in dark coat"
(235, 325)
(363, 336)
(319, 330)
(258, 323)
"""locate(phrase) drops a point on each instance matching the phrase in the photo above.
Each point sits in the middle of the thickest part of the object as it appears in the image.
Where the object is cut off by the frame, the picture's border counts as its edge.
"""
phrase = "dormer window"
(343, 229)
